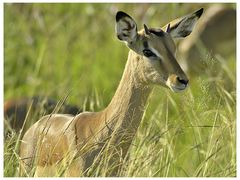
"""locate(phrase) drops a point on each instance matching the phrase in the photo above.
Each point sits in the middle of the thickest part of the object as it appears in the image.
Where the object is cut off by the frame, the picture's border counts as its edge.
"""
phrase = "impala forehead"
(162, 43)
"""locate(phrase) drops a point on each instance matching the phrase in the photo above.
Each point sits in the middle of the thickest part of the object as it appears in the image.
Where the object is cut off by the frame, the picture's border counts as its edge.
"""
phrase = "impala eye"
(148, 53)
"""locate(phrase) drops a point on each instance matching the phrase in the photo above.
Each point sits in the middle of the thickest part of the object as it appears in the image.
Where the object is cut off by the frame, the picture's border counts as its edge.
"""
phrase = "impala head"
(155, 48)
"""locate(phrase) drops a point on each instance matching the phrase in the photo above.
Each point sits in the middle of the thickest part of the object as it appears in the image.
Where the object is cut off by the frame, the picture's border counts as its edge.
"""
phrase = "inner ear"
(126, 27)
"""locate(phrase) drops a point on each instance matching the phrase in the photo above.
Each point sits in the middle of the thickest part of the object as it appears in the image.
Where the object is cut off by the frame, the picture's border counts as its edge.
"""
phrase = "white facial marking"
(156, 52)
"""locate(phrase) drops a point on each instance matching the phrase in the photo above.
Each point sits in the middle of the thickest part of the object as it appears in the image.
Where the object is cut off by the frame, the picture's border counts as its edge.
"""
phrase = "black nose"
(183, 81)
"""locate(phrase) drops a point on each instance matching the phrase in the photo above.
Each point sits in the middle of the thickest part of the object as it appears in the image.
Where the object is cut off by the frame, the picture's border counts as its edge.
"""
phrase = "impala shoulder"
(86, 123)
(87, 116)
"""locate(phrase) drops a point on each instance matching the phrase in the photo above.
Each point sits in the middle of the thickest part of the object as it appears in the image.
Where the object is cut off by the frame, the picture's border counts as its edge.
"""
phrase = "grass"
(63, 49)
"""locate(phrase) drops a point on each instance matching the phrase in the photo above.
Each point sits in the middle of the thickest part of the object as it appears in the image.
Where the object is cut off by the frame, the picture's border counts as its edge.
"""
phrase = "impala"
(79, 142)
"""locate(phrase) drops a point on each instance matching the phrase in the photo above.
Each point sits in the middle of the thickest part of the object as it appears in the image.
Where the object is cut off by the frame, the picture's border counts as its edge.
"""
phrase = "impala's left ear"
(182, 27)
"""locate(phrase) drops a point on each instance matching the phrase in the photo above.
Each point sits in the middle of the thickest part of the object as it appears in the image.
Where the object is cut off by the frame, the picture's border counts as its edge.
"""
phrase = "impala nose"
(182, 81)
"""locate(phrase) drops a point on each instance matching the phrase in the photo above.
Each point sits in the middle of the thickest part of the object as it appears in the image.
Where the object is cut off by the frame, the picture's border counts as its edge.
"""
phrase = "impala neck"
(127, 107)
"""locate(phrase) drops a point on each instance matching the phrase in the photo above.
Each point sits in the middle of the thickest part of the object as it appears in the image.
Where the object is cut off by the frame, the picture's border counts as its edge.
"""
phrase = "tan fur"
(79, 142)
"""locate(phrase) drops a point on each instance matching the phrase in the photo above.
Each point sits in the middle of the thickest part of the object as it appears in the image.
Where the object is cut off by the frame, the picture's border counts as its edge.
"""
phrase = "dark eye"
(148, 53)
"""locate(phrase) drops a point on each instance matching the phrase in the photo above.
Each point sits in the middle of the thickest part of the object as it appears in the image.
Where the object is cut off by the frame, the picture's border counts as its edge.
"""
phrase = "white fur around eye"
(156, 52)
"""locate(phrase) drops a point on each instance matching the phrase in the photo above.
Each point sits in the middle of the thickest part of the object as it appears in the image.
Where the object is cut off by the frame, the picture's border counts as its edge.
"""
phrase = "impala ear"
(182, 27)
(126, 27)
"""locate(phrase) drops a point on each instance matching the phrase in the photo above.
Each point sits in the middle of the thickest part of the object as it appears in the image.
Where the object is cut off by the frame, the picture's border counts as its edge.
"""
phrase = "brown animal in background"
(78, 142)
(15, 110)
(215, 34)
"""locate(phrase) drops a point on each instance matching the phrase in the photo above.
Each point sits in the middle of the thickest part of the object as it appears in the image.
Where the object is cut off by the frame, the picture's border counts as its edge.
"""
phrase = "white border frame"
(107, 1)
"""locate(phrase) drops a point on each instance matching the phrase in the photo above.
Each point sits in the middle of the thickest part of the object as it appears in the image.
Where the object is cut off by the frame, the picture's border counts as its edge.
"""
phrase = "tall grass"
(181, 137)
(61, 49)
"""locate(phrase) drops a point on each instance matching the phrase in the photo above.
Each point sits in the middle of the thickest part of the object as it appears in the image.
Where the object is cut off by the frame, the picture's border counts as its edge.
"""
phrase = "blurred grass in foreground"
(57, 49)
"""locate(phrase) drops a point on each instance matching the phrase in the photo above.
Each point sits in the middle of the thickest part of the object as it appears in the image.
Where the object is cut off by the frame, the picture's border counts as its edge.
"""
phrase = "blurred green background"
(51, 49)
(71, 49)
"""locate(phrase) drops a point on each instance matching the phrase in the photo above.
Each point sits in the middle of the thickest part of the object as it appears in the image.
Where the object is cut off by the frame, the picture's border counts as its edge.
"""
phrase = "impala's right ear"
(183, 26)
(126, 27)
